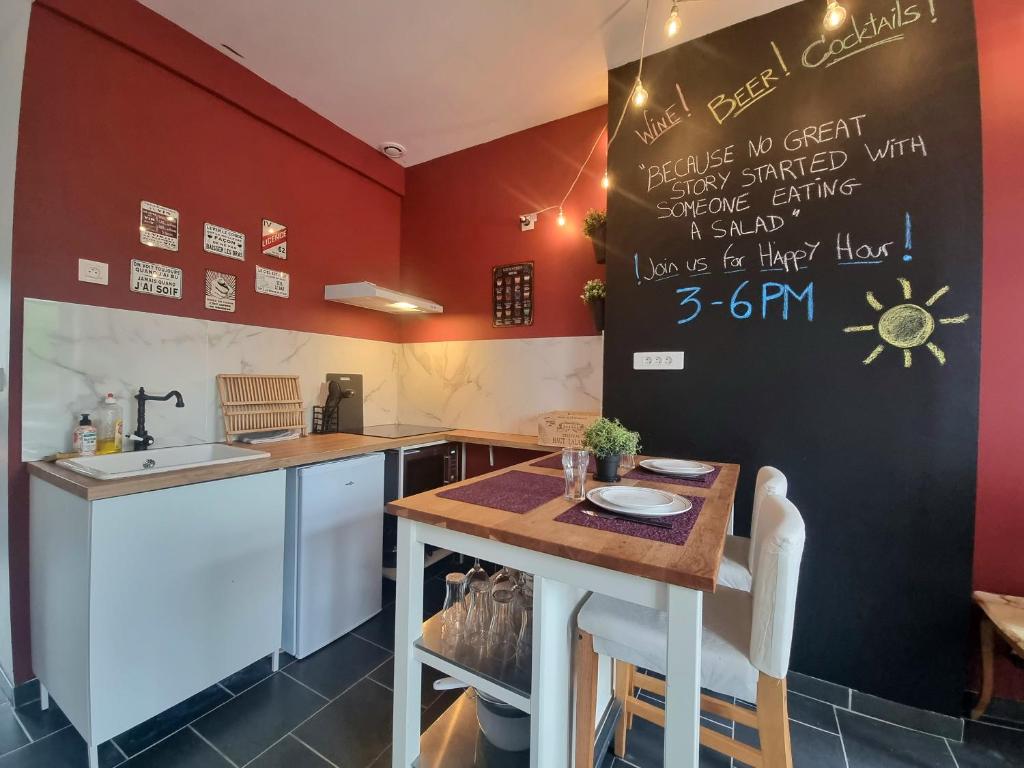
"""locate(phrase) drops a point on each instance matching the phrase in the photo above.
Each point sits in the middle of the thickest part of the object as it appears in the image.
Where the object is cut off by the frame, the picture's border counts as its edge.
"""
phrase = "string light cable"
(630, 98)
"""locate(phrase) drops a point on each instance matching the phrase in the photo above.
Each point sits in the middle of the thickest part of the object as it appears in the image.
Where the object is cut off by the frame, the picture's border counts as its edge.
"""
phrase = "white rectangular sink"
(114, 466)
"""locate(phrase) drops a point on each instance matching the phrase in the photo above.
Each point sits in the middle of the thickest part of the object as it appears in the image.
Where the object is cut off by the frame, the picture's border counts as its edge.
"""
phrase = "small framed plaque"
(512, 294)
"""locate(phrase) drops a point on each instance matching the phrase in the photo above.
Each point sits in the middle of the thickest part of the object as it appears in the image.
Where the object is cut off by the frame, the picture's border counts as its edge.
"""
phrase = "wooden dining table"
(567, 561)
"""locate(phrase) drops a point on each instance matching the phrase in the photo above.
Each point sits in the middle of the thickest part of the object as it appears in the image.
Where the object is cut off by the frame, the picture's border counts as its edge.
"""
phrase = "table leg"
(551, 699)
(682, 700)
(408, 627)
(987, 663)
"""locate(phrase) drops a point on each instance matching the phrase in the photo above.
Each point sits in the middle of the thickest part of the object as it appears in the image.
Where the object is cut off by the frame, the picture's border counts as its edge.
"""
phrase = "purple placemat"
(705, 481)
(555, 462)
(513, 491)
(682, 524)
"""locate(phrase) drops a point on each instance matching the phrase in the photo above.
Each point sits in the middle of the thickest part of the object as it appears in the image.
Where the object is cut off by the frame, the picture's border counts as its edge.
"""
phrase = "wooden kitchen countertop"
(694, 564)
(290, 453)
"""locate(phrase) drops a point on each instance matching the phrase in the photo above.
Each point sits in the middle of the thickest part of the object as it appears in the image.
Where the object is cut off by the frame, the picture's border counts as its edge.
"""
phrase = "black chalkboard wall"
(800, 213)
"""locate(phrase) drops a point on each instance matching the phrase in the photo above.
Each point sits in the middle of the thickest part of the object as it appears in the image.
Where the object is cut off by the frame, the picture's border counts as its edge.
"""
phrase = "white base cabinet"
(140, 601)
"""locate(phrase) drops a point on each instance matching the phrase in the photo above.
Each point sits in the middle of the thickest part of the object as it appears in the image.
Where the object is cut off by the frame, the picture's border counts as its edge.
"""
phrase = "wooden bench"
(1004, 614)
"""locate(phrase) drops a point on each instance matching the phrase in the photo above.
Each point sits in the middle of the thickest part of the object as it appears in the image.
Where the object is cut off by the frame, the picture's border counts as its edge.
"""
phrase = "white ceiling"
(439, 77)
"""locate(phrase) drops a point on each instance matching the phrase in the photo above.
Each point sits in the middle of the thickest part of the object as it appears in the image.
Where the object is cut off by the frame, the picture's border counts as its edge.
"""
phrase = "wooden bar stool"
(1004, 615)
(737, 559)
(744, 650)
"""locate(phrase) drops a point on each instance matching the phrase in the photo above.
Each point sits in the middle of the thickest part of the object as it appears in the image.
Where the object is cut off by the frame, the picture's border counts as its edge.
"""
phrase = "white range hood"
(372, 296)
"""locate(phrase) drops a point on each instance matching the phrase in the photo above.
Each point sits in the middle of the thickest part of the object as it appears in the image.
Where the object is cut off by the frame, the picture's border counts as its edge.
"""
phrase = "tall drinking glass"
(574, 464)
(453, 616)
(478, 611)
(503, 632)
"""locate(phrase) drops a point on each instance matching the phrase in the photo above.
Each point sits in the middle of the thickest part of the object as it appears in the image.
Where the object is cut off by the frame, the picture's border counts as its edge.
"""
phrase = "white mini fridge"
(333, 545)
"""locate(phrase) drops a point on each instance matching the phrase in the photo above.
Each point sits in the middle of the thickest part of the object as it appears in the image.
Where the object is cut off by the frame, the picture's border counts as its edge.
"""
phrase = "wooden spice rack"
(259, 403)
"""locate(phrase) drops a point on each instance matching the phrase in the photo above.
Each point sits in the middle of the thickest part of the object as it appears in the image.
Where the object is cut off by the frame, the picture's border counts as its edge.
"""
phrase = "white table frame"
(556, 581)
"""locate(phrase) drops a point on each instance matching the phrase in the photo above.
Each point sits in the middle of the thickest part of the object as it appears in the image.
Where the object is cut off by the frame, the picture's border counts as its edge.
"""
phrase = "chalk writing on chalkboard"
(876, 30)
(772, 298)
(907, 326)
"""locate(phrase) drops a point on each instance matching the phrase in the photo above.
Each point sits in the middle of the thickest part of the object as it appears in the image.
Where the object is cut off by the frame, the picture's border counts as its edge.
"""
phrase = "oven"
(414, 469)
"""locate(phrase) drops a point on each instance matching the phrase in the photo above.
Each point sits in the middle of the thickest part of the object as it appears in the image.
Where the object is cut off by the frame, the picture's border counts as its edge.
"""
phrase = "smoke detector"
(392, 149)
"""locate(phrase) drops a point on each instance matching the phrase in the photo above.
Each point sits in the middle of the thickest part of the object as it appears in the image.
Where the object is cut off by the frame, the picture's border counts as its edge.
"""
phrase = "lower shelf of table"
(507, 680)
(455, 740)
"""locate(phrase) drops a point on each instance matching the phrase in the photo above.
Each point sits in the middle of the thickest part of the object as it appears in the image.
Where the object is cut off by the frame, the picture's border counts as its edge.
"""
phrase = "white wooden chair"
(744, 650)
(737, 558)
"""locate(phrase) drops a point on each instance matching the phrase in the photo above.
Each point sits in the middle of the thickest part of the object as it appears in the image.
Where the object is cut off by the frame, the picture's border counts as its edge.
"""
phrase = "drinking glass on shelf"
(503, 632)
(524, 597)
(502, 581)
(453, 614)
(475, 573)
(574, 464)
(478, 610)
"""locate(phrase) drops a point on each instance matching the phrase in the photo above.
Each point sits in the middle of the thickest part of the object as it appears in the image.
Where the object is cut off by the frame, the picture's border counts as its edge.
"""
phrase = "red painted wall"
(999, 519)
(119, 105)
(460, 218)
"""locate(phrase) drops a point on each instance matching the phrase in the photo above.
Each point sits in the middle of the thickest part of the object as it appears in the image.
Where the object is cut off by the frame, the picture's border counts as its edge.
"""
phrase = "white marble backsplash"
(74, 354)
(498, 385)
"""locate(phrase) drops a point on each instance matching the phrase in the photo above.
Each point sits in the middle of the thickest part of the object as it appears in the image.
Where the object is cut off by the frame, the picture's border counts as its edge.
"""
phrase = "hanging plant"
(594, 292)
(594, 227)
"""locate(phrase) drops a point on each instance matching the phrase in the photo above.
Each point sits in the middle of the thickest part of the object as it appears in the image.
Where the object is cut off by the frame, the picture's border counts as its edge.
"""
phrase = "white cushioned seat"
(725, 642)
(733, 572)
(737, 558)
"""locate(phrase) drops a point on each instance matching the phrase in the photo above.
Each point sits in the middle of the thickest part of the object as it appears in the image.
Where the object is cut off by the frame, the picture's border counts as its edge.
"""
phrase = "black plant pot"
(597, 237)
(608, 469)
(597, 312)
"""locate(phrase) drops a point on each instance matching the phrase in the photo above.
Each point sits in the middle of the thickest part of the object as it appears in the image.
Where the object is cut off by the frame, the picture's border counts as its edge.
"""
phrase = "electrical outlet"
(92, 271)
(657, 361)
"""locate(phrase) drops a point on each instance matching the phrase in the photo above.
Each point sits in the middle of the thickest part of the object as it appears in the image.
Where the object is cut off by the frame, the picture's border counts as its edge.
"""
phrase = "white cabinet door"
(340, 532)
(186, 588)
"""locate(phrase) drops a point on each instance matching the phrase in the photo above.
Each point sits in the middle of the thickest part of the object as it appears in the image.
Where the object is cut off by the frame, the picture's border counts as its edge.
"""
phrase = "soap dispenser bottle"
(83, 439)
(110, 426)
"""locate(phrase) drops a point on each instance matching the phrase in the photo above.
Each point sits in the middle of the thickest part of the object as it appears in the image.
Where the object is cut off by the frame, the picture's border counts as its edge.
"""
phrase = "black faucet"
(140, 436)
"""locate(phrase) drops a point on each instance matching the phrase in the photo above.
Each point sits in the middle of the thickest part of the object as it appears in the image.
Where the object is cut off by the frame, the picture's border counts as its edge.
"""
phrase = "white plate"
(677, 507)
(637, 498)
(678, 467)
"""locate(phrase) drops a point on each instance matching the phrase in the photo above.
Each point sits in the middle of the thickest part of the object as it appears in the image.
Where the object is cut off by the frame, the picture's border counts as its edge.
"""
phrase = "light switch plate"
(527, 221)
(92, 271)
(657, 361)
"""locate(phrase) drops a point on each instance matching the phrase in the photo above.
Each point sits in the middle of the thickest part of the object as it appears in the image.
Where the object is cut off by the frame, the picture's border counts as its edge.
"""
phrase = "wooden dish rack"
(259, 403)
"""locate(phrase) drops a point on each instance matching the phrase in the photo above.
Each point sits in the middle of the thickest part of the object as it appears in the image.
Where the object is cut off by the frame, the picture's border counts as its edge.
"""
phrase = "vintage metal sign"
(272, 282)
(158, 226)
(223, 242)
(275, 239)
(155, 279)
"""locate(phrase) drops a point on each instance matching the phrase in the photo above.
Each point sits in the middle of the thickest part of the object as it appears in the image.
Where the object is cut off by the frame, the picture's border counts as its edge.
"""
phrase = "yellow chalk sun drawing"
(906, 326)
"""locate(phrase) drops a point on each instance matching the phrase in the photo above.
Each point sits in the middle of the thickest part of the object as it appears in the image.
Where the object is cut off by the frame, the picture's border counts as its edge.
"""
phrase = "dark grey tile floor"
(828, 736)
(333, 708)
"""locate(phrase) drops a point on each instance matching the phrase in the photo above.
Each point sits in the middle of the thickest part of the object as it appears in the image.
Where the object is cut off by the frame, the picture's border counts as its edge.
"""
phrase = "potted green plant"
(594, 292)
(595, 224)
(609, 441)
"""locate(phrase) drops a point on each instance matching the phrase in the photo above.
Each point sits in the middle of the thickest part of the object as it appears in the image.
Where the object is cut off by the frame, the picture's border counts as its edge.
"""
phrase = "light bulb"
(835, 15)
(639, 94)
(605, 181)
(561, 218)
(674, 23)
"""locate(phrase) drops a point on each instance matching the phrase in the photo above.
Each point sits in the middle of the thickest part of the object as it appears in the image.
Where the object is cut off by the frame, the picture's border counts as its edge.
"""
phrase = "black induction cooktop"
(399, 430)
